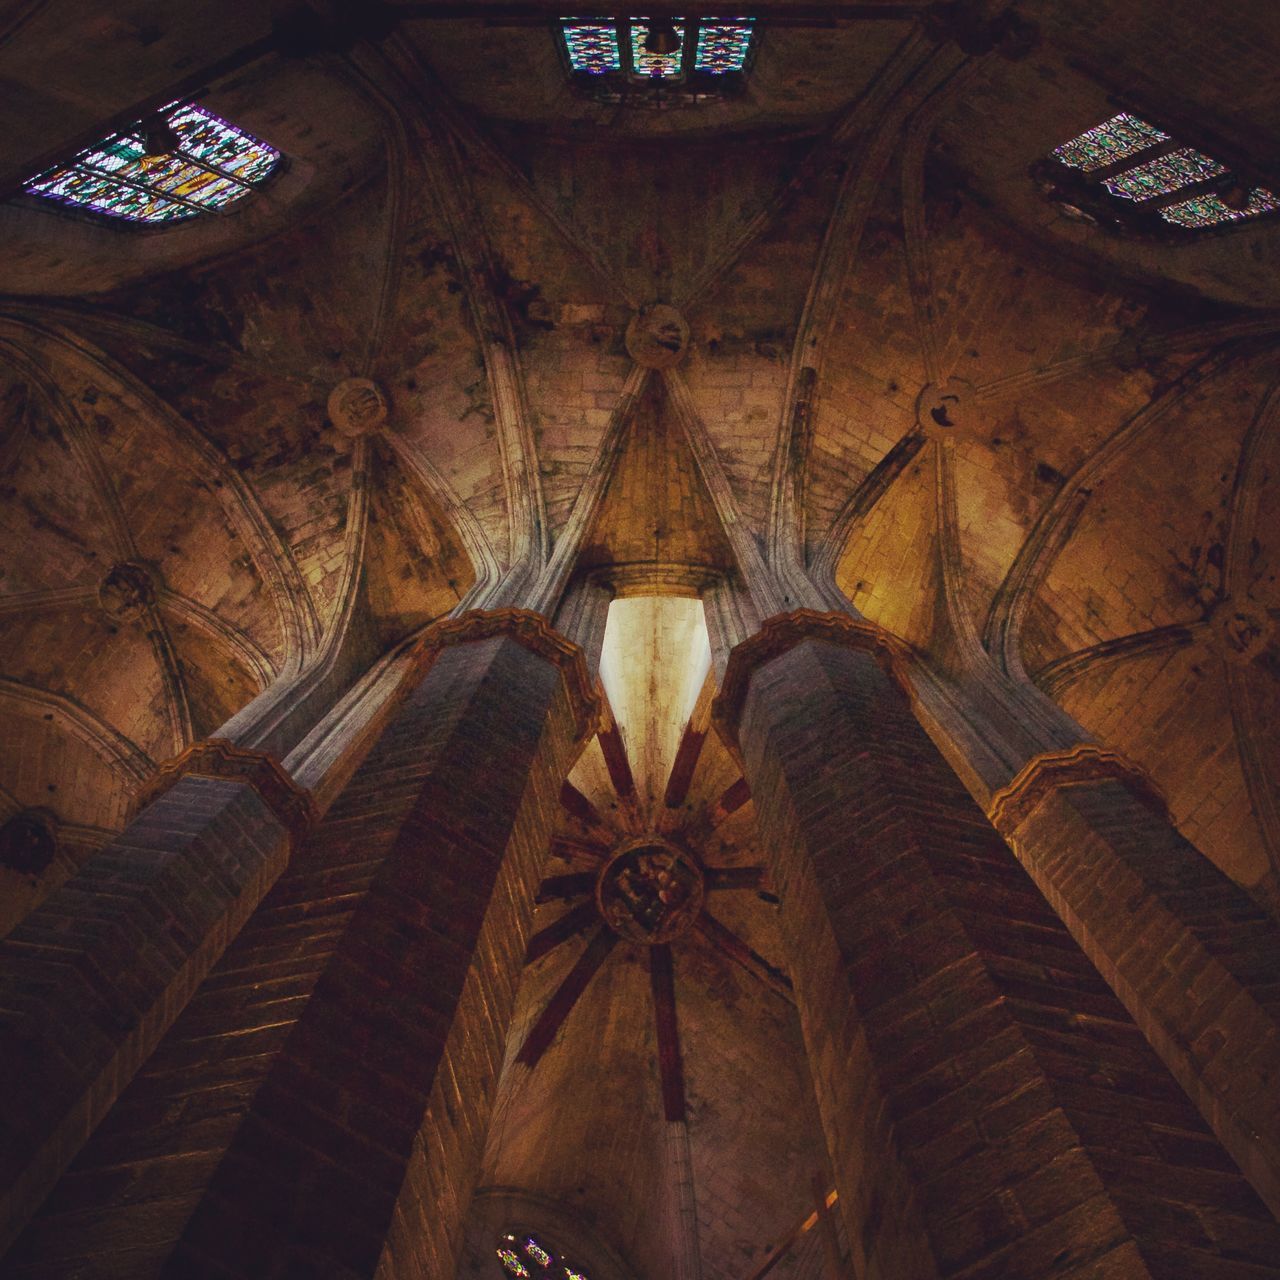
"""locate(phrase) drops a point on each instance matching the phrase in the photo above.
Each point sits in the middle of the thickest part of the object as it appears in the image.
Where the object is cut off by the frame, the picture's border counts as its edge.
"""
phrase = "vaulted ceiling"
(183, 525)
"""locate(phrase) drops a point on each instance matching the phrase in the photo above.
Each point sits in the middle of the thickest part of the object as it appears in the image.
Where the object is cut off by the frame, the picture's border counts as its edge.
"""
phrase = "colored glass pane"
(213, 166)
(1164, 174)
(214, 142)
(537, 1252)
(1209, 210)
(1115, 139)
(656, 66)
(91, 190)
(115, 155)
(593, 46)
(511, 1263)
(723, 45)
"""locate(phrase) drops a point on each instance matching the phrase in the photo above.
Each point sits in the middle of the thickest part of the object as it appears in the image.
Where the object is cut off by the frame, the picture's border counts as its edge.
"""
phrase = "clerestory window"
(1132, 175)
(182, 162)
(525, 1257)
(700, 54)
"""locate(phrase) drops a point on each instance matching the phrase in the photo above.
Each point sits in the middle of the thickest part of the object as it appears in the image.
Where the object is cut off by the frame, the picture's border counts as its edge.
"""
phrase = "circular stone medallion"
(943, 407)
(127, 590)
(357, 406)
(1245, 629)
(650, 891)
(28, 842)
(657, 336)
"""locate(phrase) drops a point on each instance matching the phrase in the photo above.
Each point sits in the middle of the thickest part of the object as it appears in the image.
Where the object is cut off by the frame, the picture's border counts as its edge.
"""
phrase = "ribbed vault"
(1034, 453)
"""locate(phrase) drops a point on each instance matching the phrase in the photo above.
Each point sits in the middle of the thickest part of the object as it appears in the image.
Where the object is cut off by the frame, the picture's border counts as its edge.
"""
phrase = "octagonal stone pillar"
(359, 1149)
(989, 1105)
(92, 978)
(1193, 958)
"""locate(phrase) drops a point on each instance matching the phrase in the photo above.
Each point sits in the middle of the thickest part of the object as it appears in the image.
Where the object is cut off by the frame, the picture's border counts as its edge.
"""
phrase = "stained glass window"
(528, 1258)
(185, 162)
(723, 45)
(1151, 178)
(593, 46)
(511, 1262)
(1115, 139)
(612, 50)
(1164, 174)
(656, 66)
(1210, 211)
(537, 1252)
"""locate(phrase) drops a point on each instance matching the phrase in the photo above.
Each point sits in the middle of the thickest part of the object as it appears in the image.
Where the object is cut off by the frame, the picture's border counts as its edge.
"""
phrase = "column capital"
(535, 633)
(1077, 766)
(220, 758)
(783, 632)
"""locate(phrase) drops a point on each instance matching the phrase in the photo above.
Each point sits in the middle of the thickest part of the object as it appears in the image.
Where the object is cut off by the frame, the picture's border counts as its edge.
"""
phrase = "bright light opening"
(655, 659)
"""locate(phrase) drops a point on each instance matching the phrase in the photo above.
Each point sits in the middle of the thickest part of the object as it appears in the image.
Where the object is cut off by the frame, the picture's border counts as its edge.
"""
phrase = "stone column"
(91, 980)
(359, 1150)
(1192, 955)
(1193, 958)
(990, 1108)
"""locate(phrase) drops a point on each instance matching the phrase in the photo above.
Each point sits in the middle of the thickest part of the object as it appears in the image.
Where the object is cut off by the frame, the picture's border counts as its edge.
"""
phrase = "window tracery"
(1130, 174)
(702, 54)
(182, 162)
